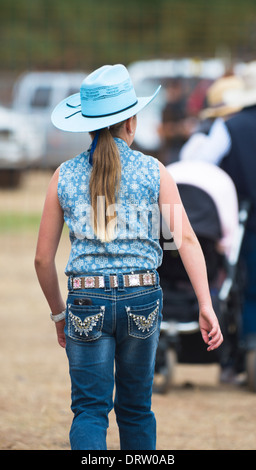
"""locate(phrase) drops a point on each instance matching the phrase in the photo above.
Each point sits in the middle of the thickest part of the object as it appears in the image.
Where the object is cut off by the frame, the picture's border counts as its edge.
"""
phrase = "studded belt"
(129, 280)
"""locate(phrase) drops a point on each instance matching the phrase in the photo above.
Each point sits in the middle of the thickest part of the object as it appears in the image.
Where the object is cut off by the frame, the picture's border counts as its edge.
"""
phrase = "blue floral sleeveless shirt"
(136, 244)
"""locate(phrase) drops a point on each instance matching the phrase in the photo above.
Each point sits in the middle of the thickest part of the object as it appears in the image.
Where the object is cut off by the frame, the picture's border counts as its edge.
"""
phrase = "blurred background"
(47, 48)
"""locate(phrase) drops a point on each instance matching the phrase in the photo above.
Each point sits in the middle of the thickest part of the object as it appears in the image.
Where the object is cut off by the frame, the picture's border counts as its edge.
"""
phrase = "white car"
(20, 146)
(35, 95)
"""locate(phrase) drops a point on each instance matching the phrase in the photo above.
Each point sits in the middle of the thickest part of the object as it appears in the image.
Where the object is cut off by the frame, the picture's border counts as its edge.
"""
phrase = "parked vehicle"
(20, 146)
(35, 95)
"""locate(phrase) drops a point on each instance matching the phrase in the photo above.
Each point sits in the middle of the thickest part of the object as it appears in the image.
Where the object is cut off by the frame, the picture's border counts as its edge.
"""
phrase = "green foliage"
(81, 34)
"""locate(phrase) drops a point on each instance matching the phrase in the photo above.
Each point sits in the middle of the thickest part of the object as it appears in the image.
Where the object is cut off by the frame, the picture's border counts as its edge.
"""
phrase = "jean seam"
(114, 305)
(138, 293)
(141, 308)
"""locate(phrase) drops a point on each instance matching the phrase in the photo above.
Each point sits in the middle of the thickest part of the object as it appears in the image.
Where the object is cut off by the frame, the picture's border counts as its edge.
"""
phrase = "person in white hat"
(109, 197)
(212, 142)
(240, 163)
(231, 144)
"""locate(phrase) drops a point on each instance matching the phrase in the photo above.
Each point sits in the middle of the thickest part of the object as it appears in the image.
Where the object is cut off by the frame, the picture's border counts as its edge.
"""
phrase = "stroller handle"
(244, 209)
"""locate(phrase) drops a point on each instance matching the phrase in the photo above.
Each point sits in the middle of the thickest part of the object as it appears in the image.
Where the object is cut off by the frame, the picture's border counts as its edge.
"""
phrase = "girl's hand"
(60, 333)
(210, 328)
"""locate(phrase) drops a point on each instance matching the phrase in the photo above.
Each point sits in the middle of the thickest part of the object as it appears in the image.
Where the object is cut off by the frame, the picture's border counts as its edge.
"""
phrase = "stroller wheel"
(251, 369)
(163, 377)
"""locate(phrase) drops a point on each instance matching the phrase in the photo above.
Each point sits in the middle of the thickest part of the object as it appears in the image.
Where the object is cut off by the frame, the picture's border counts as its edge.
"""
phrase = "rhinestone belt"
(129, 280)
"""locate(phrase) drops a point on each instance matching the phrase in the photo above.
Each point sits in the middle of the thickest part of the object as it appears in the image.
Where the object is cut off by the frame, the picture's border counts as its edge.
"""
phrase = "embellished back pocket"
(143, 320)
(85, 322)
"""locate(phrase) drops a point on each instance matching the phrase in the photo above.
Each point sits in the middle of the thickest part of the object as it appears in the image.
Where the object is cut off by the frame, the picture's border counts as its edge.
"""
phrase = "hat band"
(110, 114)
(101, 115)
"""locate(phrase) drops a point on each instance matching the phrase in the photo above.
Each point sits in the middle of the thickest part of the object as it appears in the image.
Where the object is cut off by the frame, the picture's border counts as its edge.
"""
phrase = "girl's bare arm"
(48, 240)
(192, 256)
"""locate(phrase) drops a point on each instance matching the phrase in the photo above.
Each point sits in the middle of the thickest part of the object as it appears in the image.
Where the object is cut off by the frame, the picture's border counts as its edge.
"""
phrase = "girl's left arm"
(191, 255)
(48, 240)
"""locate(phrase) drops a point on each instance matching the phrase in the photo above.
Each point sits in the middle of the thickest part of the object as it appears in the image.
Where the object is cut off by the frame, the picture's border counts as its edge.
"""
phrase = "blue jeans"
(111, 342)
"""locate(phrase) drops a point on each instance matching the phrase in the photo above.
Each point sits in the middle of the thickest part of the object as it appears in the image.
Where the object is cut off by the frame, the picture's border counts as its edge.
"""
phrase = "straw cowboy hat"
(215, 93)
(246, 96)
(106, 97)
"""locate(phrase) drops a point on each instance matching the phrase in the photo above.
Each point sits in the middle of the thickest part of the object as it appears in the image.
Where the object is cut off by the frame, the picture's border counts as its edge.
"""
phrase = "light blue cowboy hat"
(106, 97)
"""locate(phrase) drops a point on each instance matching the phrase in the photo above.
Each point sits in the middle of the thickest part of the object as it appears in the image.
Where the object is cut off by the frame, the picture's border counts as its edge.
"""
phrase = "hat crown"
(249, 76)
(106, 91)
(219, 87)
(106, 97)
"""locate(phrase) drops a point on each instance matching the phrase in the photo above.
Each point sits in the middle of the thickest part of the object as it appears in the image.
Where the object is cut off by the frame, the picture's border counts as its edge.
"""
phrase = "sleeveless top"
(136, 244)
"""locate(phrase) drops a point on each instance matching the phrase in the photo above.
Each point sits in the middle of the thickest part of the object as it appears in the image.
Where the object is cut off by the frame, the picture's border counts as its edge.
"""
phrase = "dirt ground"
(35, 387)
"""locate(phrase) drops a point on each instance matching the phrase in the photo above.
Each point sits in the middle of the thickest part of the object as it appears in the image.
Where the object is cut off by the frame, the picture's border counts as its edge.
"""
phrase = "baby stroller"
(210, 200)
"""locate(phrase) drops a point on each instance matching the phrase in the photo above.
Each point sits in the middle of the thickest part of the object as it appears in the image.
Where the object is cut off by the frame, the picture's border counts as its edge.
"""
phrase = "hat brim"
(70, 119)
(219, 111)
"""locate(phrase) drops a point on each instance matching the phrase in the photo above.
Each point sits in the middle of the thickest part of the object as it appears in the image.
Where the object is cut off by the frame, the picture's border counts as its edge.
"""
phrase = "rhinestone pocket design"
(87, 325)
(143, 324)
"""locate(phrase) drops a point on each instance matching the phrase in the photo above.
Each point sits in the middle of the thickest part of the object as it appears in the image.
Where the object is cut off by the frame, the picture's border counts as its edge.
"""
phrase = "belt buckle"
(147, 279)
(76, 283)
(89, 282)
(134, 280)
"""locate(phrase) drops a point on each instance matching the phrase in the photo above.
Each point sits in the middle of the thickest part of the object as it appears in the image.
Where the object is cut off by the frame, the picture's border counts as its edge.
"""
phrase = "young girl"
(109, 197)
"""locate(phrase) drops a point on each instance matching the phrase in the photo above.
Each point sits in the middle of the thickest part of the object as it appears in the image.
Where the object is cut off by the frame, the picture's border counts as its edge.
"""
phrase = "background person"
(210, 141)
(240, 163)
(232, 146)
(113, 310)
(176, 126)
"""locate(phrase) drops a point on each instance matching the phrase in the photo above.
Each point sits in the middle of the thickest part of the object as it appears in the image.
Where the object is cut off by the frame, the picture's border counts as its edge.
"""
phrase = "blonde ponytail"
(104, 184)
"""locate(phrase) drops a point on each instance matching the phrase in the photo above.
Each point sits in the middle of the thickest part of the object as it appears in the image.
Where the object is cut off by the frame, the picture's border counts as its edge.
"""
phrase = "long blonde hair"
(104, 183)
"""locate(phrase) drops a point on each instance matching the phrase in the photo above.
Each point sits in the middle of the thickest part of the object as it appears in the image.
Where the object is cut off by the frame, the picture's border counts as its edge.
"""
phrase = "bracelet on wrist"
(58, 317)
